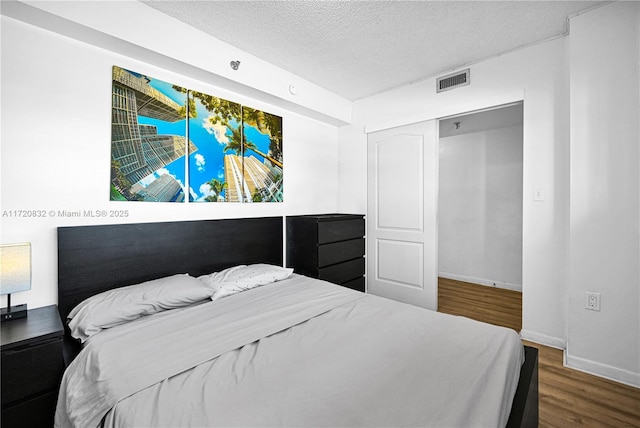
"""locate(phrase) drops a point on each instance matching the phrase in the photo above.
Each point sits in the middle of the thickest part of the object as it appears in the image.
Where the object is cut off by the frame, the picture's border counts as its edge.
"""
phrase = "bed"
(287, 350)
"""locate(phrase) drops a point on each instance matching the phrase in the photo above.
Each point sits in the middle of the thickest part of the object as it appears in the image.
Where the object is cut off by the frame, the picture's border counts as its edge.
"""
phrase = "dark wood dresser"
(32, 366)
(329, 247)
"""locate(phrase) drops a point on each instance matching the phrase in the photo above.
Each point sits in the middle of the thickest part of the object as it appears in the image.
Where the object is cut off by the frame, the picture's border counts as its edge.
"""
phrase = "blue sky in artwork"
(207, 162)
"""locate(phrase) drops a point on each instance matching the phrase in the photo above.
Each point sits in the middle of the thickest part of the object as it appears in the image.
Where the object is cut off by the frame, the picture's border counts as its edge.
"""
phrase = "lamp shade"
(15, 268)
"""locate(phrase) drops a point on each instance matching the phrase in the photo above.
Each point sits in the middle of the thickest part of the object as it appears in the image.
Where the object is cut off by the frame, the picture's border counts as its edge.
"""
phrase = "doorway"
(480, 197)
(403, 214)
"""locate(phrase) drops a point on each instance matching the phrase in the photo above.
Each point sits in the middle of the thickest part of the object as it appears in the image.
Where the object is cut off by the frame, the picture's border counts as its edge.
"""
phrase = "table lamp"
(15, 276)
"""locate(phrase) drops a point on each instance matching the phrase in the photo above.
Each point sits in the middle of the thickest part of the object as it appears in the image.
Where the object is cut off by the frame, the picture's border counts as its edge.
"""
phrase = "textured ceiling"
(359, 48)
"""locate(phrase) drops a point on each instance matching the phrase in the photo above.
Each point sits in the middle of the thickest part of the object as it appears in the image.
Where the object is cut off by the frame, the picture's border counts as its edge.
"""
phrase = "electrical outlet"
(592, 301)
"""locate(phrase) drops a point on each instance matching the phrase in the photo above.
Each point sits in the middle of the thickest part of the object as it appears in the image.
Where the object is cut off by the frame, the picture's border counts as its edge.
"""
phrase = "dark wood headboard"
(93, 259)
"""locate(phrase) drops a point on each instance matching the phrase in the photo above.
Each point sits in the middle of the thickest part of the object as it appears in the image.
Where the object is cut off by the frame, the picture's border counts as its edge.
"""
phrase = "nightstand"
(329, 247)
(32, 366)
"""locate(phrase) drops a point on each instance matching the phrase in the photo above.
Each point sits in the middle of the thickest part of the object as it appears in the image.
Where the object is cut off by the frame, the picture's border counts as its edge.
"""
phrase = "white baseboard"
(481, 281)
(543, 339)
(587, 366)
(602, 370)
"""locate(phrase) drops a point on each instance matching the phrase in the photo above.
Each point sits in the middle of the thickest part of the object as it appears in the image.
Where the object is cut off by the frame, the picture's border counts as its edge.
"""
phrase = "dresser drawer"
(328, 246)
(31, 370)
(355, 284)
(342, 272)
(342, 230)
(329, 254)
(37, 412)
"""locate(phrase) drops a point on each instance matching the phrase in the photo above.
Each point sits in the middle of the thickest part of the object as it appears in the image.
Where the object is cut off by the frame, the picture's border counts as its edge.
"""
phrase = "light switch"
(538, 194)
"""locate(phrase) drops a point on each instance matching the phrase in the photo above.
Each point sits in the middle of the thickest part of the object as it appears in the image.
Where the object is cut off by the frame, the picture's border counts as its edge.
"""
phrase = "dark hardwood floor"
(568, 398)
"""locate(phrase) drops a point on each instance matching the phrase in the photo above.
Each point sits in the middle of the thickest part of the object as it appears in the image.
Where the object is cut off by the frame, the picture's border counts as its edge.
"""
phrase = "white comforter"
(299, 352)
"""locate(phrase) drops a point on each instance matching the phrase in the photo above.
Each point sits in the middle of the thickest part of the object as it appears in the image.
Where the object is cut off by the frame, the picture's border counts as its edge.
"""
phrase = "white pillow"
(244, 277)
(120, 305)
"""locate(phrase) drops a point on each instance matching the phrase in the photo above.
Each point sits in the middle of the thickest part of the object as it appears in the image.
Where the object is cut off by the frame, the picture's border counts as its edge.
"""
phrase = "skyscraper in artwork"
(137, 150)
(251, 180)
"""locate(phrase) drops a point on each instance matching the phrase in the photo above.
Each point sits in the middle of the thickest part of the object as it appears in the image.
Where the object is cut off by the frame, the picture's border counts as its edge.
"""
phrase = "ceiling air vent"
(452, 81)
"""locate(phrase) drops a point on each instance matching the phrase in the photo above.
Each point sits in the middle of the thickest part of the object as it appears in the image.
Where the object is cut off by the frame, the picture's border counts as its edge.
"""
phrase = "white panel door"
(401, 214)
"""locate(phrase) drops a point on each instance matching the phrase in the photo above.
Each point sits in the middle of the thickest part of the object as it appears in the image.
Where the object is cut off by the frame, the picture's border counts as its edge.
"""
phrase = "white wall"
(55, 147)
(480, 207)
(537, 75)
(138, 31)
(605, 184)
(596, 248)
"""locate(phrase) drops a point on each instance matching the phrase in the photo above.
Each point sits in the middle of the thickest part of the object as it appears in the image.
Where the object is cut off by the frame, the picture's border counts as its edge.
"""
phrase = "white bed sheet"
(366, 361)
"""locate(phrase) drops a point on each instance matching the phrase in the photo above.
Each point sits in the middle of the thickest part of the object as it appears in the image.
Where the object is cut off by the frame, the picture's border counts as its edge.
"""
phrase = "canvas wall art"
(234, 152)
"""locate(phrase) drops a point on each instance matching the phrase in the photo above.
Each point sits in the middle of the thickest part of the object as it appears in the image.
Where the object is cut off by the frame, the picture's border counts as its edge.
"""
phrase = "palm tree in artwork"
(235, 141)
(217, 187)
(255, 118)
(274, 124)
(238, 142)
